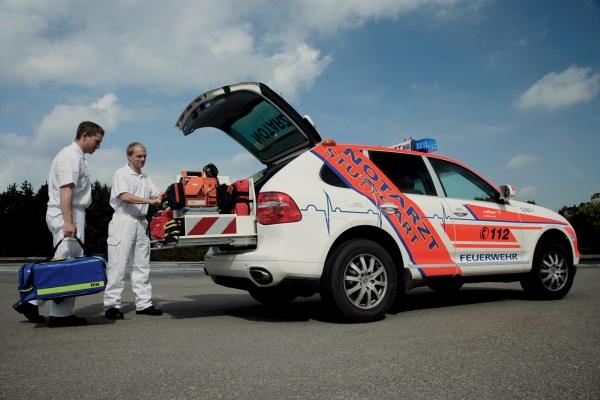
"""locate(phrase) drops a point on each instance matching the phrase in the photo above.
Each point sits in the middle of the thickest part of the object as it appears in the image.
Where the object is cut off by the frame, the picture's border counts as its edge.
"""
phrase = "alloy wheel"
(554, 271)
(365, 281)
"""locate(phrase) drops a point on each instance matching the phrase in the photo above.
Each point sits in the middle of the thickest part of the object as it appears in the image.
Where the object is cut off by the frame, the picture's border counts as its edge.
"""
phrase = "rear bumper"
(222, 267)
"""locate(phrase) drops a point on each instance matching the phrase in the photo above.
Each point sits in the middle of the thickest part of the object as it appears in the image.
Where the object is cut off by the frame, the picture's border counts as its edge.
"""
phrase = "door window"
(408, 172)
(331, 178)
(460, 183)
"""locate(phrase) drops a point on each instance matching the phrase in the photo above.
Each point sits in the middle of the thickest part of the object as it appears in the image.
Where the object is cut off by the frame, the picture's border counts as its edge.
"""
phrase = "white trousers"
(69, 248)
(128, 251)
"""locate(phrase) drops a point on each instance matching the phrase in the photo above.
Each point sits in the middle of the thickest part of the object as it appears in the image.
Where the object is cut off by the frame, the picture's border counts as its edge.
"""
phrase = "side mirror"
(507, 192)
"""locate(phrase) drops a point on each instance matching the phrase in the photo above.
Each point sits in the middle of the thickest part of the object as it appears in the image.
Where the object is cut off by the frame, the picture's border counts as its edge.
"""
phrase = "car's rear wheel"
(360, 281)
(272, 296)
(445, 286)
(552, 273)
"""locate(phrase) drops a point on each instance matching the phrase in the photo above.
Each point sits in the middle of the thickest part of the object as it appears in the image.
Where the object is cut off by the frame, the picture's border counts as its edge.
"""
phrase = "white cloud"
(327, 16)
(12, 140)
(496, 58)
(104, 162)
(29, 157)
(60, 125)
(560, 90)
(526, 193)
(298, 68)
(424, 88)
(521, 160)
(173, 46)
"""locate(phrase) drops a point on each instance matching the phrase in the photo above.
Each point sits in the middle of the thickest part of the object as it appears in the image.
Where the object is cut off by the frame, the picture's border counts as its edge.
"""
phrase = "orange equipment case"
(200, 190)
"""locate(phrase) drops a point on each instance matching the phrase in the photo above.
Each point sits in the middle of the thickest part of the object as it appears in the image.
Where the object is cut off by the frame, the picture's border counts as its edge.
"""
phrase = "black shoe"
(71, 320)
(150, 311)
(29, 311)
(113, 313)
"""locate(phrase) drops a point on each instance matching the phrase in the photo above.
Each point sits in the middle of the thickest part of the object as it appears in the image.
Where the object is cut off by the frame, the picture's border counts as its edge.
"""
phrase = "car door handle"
(389, 208)
(460, 212)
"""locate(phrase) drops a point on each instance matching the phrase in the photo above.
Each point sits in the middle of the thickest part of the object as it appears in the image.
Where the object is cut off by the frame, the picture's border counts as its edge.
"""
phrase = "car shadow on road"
(421, 299)
(305, 309)
(243, 306)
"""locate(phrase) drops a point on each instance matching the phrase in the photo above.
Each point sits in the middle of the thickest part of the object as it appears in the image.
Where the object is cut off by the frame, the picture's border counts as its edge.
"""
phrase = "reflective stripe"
(70, 288)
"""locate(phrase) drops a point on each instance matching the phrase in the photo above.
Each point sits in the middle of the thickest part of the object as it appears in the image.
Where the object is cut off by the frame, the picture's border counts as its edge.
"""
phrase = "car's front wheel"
(552, 273)
(360, 281)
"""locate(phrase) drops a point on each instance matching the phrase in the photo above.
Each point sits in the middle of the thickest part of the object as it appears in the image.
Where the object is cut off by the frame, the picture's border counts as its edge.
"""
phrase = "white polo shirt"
(69, 166)
(126, 180)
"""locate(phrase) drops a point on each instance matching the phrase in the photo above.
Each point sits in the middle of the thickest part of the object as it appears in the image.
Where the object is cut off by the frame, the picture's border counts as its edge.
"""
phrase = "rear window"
(261, 127)
(331, 178)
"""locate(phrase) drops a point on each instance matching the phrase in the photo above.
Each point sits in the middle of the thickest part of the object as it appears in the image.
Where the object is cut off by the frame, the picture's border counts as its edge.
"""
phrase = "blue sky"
(511, 88)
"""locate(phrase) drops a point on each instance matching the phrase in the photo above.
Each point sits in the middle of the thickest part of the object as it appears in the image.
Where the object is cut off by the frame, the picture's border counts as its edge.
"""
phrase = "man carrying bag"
(69, 194)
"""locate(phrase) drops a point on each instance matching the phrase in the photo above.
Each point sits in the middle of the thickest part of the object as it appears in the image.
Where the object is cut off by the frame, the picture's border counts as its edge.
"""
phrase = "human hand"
(155, 202)
(69, 229)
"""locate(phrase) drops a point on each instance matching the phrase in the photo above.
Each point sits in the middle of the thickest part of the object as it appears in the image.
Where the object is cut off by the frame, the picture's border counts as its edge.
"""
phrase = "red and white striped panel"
(211, 226)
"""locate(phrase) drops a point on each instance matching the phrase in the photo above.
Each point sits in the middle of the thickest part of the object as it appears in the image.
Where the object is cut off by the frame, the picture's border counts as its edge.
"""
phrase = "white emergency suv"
(363, 224)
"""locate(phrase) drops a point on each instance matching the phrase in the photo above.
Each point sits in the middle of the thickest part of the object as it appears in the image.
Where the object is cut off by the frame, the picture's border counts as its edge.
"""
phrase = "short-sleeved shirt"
(126, 180)
(69, 166)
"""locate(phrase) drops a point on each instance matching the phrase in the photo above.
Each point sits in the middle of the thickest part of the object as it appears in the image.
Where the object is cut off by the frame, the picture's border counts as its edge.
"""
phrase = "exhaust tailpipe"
(261, 275)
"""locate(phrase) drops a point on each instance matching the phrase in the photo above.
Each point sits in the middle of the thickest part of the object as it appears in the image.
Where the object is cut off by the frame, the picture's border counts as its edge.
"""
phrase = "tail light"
(276, 208)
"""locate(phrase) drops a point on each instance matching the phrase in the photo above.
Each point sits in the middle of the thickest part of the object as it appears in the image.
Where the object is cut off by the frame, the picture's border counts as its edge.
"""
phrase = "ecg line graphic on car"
(329, 208)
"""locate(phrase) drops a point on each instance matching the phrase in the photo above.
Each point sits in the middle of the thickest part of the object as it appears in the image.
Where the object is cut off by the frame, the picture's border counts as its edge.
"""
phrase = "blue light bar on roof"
(425, 145)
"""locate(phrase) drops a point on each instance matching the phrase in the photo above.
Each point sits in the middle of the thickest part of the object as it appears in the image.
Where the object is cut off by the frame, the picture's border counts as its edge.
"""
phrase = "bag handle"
(51, 256)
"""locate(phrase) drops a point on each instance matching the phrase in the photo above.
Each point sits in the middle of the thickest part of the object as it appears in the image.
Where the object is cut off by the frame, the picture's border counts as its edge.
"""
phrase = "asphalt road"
(486, 342)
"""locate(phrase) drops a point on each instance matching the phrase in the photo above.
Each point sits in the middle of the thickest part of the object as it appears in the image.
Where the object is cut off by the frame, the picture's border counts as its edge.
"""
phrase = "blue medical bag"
(62, 278)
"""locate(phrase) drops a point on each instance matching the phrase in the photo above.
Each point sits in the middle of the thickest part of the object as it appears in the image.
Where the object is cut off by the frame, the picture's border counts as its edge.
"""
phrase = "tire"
(272, 296)
(445, 286)
(359, 281)
(551, 275)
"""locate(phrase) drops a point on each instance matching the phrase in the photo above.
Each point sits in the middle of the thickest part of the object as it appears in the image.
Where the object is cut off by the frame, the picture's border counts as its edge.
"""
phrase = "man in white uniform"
(69, 194)
(128, 243)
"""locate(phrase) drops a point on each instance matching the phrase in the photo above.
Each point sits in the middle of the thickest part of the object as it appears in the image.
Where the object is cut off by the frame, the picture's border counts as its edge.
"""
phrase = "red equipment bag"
(240, 195)
(199, 190)
(158, 222)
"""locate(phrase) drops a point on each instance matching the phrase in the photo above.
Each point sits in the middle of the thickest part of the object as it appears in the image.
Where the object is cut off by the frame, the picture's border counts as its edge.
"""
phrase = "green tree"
(98, 216)
(585, 219)
(41, 235)
(22, 217)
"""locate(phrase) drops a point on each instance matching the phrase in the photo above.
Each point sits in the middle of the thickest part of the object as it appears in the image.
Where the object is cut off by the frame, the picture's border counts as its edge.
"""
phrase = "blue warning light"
(426, 145)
